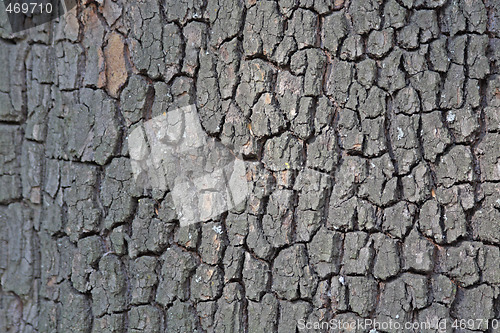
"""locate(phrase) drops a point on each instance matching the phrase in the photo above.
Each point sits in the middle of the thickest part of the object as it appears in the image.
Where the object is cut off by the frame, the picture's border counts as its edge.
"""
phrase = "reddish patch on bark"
(116, 68)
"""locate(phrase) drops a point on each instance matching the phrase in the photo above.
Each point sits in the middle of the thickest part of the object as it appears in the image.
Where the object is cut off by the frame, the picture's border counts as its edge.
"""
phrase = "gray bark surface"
(372, 128)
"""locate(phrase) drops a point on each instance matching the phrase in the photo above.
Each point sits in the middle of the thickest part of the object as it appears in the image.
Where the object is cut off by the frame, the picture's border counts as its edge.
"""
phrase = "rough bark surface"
(374, 131)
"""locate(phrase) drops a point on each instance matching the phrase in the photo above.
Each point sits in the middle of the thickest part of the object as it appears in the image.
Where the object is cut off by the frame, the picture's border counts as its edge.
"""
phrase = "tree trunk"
(251, 166)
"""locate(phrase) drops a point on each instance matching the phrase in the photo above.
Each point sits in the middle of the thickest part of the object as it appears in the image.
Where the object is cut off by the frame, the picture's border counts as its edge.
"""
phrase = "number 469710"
(476, 324)
(30, 8)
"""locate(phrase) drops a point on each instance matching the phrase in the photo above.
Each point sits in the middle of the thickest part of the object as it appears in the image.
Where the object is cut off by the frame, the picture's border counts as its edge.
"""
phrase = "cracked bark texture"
(374, 126)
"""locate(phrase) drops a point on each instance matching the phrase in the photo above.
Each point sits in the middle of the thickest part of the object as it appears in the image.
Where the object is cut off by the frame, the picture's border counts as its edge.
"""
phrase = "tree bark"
(368, 132)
